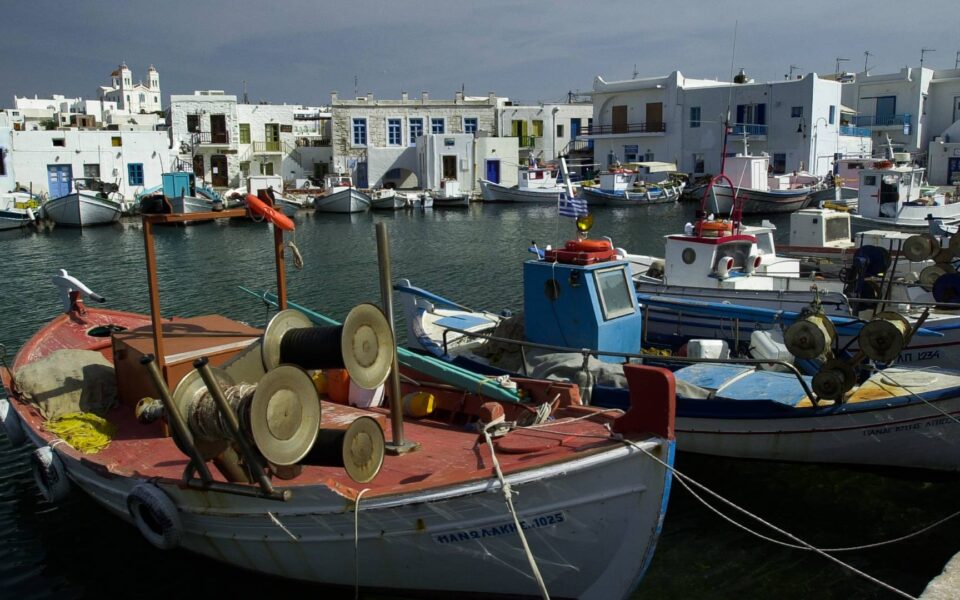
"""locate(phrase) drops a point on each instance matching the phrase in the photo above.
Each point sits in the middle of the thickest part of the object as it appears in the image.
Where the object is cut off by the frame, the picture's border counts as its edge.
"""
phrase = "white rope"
(508, 493)
(277, 522)
(356, 544)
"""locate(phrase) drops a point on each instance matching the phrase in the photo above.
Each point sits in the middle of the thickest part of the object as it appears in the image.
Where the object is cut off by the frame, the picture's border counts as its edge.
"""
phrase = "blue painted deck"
(463, 321)
(745, 384)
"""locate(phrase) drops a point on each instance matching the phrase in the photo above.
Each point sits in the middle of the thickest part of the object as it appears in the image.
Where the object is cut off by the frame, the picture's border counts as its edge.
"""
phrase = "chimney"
(492, 96)
(369, 96)
(404, 96)
(458, 97)
(333, 97)
(424, 96)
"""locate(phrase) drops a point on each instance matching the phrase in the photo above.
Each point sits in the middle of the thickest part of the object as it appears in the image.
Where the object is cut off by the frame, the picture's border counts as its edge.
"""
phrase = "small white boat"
(890, 197)
(15, 210)
(535, 184)
(449, 195)
(177, 195)
(89, 204)
(341, 196)
(387, 199)
(273, 185)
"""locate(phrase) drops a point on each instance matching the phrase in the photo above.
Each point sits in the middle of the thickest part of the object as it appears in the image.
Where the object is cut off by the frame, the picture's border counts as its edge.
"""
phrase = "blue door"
(59, 178)
(574, 128)
(493, 171)
(953, 170)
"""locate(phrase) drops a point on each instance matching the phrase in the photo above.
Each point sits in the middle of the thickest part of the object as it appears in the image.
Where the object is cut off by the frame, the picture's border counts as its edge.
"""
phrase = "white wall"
(432, 148)
(549, 145)
(206, 105)
(34, 150)
(8, 178)
(505, 150)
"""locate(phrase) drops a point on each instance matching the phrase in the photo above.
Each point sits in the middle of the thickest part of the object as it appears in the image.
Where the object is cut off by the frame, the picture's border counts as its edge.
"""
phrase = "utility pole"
(840, 60)
(866, 57)
(956, 63)
(923, 52)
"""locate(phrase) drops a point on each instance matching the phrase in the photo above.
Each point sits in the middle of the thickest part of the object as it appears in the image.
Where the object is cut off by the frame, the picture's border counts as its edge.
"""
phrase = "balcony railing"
(652, 127)
(748, 129)
(220, 138)
(313, 142)
(526, 141)
(577, 145)
(264, 147)
(882, 120)
(854, 131)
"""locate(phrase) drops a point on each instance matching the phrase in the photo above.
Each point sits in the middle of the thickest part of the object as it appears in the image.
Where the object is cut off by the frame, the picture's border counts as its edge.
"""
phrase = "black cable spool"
(313, 347)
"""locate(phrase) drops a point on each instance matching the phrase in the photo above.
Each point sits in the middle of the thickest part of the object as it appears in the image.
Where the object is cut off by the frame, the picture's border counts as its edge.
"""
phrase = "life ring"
(589, 245)
(155, 515)
(10, 421)
(269, 213)
(50, 475)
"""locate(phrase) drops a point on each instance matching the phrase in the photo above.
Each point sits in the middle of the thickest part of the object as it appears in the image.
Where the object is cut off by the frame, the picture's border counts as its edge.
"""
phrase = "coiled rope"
(85, 432)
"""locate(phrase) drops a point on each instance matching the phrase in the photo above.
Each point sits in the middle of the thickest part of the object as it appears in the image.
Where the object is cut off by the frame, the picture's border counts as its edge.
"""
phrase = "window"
(470, 125)
(143, 98)
(3, 161)
(394, 132)
(91, 170)
(560, 130)
(116, 141)
(156, 99)
(267, 168)
(833, 114)
(779, 163)
(59, 142)
(359, 133)
(193, 123)
(135, 174)
(416, 129)
(694, 116)
(614, 292)
(648, 156)
(437, 125)
(537, 128)
(698, 166)
(630, 153)
(244, 133)
(796, 112)
(245, 168)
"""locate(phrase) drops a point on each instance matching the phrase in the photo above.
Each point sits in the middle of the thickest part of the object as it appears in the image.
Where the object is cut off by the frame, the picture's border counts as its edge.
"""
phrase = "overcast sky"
(298, 51)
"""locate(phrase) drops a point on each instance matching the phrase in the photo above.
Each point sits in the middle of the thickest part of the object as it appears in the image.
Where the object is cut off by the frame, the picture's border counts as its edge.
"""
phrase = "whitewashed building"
(376, 140)
(681, 120)
(204, 131)
(130, 97)
(545, 131)
(943, 124)
(133, 160)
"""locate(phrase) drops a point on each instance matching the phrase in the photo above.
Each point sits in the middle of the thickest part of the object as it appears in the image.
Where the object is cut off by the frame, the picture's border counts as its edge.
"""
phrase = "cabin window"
(359, 132)
(416, 129)
(796, 112)
(869, 180)
(470, 125)
(689, 256)
(59, 142)
(614, 291)
(193, 123)
(838, 229)
(135, 174)
(91, 171)
(394, 132)
(437, 125)
(244, 133)
(698, 166)
(630, 152)
(116, 141)
(694, 116)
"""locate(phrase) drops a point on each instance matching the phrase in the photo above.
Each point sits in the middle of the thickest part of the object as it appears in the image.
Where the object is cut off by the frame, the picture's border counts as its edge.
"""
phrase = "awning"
(847, 109)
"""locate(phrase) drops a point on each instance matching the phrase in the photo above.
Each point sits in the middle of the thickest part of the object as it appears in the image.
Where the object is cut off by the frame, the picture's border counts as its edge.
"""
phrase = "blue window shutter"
(761, 114)
(740, 111)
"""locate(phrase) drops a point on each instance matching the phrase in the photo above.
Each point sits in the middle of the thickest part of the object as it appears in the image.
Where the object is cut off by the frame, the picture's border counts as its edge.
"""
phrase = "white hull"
(494, 192)
(348, 200)
(13, 220)
(387, 200)
(82, 209)
(756, 202)
(451, 202)
(910, 222)
(908, 435)
(592, 525)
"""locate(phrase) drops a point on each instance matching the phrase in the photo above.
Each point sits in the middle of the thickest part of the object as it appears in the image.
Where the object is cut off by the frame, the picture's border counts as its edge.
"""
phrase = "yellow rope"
(85, 432)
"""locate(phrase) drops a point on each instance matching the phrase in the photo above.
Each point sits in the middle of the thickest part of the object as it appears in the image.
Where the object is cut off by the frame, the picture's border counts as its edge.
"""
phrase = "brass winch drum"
(884, 338)
(920, 247)
(363, 344)
(810, 337)
(955, 243)
(359, 449)
(197, 408)
(929, 275)
(834, 379)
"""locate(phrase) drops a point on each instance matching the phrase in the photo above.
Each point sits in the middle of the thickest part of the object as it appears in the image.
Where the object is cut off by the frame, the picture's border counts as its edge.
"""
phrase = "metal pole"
(398, 445)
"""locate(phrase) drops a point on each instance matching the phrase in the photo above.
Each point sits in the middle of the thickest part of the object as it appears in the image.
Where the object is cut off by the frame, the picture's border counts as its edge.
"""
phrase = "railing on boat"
(628, 356)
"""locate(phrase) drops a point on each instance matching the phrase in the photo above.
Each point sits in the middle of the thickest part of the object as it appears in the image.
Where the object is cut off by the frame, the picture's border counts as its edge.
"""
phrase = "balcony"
(854, 131)
(209, 138)
(882, 120)
(526, 141)
(622, 128)
(313, 142)
(748, 129)
(267, 148)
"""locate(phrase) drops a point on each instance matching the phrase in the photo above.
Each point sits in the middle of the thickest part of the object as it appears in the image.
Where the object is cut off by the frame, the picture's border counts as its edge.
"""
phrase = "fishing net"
(68, 381)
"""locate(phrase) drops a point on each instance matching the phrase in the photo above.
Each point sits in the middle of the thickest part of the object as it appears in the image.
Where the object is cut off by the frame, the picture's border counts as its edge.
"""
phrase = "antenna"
(635, 72)
(923, 52)
(356, 87)
(840, 60)
(245, 99)
(792, 69)
(956, 63)
(866, 57)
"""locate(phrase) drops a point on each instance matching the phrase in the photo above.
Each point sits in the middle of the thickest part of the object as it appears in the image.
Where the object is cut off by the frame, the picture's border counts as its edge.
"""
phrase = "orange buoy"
(338, 386)
(269, 213)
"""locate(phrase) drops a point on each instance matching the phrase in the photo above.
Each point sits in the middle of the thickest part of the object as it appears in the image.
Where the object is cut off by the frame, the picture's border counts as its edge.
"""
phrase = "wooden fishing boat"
(546, 494)
(341, 196)
(89, 204)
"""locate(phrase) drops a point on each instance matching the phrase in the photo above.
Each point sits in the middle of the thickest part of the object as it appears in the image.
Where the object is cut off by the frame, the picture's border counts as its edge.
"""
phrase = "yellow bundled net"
(87, 432)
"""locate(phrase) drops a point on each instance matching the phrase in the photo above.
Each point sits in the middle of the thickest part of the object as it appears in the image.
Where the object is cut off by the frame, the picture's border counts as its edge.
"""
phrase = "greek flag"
(571, 207)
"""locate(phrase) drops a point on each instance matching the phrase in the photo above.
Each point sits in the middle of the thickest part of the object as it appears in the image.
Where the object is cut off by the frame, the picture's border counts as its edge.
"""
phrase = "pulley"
(883, 338)
(930, 275)
(834, 379)
(363, 344)
(944, 257)
(810, 337)
(921, 247)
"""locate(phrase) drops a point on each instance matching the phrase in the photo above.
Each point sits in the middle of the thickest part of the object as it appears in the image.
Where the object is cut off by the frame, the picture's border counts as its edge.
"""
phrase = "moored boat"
(89, 204)
(177, 195)
(387, 199)
(535, 183)
(15, 210)
(449, 195)
(341, 196)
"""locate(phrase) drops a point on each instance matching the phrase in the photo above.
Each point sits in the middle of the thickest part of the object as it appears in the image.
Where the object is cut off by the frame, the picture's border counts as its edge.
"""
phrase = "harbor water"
(77, 550)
